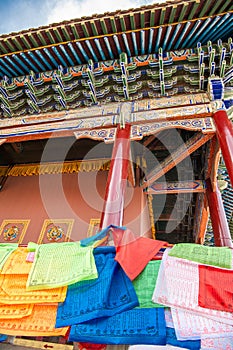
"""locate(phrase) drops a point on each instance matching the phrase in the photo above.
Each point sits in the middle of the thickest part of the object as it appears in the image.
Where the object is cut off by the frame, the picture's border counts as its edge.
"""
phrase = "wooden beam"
(201, 218)
(2, 141)
(176, 187)
(176, 157)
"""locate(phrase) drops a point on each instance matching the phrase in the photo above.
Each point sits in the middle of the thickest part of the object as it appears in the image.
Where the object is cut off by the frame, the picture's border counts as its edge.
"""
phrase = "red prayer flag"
(215, 288)
(134, 252)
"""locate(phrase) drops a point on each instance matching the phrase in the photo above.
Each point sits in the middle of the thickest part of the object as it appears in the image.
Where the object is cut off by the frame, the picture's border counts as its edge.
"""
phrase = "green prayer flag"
(144, 284)
(5, 251)
(61, 264)
(216, 256)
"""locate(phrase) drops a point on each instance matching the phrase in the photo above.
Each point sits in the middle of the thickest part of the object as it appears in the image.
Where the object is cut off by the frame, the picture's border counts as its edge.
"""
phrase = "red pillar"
(222, 236)
(115, 189)
(224, 130)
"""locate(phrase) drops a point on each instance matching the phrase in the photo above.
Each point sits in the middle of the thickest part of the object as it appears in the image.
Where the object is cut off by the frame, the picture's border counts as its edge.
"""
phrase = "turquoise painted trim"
(169, 28)
(100, 49)
(108, 47)
(86, 57)
(158, 39)
(37, 61)
(173, 36)
(213, 23)
(5, 72)
(142, 36)
(67, 55)
(126, 44)
(15, 66)
(196, 25)
(21, 63)
(91, 50)
(43, 59)
(224, 22)
(200, 30)
(133, 35)
(115, 38)
(187, 25)
(222, 30)
(50, 57)
(9, 68)
(60, 58)
(74, 53)
(29, 62)
(150, 40)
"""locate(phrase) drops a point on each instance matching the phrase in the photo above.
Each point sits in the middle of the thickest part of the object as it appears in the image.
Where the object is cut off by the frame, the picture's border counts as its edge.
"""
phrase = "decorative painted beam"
(101, 51)
(41, 38)
(16, 42)
(103, 25)
(8, 43)
(176, 157)
(108, 47)
(191, 33)
(85, 30)
(132, 21)
(58, 35)
(25, 41)
(93, 27)
(50, 36)
(180, 38)
(194, 186)
(162, 15)
(177, 28)
(59, 56)
(122, 22)
(51, 57)
(45, 61)
(75, 32)
(113, 24)
(194, 8)
(65, 33)
(200, 30)
(70, 45)
(151, 35)
(30, 64)
(16, 67)
(71, 62)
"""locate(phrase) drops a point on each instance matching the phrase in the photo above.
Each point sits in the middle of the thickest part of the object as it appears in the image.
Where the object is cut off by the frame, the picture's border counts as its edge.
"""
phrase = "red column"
(115, 189)
(222, 236)
(224, 130)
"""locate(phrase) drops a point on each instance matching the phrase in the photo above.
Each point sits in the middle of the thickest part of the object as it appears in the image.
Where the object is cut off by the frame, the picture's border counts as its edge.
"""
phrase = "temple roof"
(171, 25)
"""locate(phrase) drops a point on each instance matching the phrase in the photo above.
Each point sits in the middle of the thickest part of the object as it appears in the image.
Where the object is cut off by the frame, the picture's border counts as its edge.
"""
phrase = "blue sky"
(17, 15)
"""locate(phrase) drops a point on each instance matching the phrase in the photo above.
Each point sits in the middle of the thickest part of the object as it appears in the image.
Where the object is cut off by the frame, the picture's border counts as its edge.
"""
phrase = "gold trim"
(3, 170)
(151, 213)
(25, 224)
(60, 168)
(47, 222)
(94, 223)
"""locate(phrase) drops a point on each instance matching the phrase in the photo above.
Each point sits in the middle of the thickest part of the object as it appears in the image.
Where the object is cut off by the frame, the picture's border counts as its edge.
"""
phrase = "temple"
(119, 119)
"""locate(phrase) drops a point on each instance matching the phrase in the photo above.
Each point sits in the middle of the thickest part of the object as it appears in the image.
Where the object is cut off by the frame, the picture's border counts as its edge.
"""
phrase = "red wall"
(66, 196)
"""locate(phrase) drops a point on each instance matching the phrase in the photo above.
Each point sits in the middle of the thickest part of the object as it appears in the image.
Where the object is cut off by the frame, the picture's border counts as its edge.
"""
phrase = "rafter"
(176, 157)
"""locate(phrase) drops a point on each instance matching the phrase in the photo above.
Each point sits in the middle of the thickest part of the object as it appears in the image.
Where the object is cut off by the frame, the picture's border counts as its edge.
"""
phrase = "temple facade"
(118, 119)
